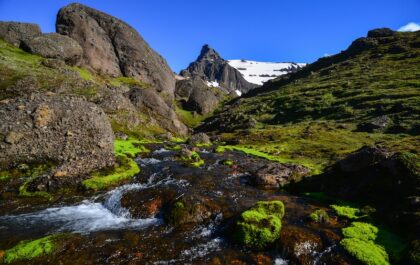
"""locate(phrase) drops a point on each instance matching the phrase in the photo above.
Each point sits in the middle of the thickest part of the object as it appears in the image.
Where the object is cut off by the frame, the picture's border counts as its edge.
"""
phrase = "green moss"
(27, 250)
(30, 173)
(190, 118)
(126, 169)
(348, 212)
(319, 216)
(260, 225)
(130, 147)
(193, 160)
(363, 231)
(251, 151)
(177, 213)
(84, 73)
(366, 251)
(177, 140)
(228, 162)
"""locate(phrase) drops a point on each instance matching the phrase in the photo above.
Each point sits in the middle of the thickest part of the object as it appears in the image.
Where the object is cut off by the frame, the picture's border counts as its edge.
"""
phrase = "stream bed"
(129, 224)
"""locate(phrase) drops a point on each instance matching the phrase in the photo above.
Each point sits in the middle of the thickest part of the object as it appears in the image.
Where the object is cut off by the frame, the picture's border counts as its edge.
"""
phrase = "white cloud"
(410, 27)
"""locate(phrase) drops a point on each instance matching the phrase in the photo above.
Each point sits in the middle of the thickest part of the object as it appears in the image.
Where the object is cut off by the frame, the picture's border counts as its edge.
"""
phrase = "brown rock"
(53, 45)
(15, 32)
(47, 141)
(114, 48)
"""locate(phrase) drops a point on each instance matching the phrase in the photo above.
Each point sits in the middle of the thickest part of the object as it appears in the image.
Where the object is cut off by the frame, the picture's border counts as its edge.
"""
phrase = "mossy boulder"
(260, 226)
(319, 216)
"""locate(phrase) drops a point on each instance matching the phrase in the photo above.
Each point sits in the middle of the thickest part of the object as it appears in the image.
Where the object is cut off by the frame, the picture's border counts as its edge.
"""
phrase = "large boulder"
(56, 46)
(211, 67)
(148, 101)
(197, 96)
(275, 175)
(15, 32)
(71, 133)
(113, 47)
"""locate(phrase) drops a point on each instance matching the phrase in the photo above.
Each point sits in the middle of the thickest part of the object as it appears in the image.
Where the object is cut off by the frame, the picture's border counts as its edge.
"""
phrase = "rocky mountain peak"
(211, 67)
(208, 53)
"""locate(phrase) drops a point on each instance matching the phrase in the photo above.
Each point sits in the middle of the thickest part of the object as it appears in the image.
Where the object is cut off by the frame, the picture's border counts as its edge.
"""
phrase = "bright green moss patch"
(366, 251)
(371, 244)
(27, 250)
(260, 225)
(319, 216)
(251, 151)
(130, 147)
(348, 212)
(125, 170)
(363, 231)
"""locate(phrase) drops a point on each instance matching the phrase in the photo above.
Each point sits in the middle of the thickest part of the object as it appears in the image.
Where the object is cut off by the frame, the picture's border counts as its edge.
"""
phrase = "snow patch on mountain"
(260, 72)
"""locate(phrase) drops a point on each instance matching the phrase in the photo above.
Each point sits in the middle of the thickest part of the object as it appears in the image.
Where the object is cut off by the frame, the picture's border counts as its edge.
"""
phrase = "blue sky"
(270, 30)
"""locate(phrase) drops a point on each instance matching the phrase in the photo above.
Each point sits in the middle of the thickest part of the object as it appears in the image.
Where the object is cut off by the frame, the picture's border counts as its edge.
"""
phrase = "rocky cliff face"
(114, 48)
(211, 67)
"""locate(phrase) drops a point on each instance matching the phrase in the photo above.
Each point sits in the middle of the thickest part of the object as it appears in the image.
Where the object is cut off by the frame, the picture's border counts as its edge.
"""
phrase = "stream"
(126, 225)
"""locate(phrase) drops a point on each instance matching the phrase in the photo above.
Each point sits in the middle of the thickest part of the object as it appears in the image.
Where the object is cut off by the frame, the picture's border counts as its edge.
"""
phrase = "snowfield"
(260, 72)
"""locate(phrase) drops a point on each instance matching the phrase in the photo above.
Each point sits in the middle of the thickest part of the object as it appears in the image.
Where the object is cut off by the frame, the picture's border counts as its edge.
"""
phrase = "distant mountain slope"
(260, 72)
(374, 85)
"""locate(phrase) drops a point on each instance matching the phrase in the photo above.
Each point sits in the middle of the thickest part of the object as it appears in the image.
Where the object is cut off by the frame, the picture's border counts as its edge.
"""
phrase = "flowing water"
(111, 227)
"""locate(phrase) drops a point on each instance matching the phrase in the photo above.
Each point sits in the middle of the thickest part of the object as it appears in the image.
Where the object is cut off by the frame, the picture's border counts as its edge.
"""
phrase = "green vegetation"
(193, 159)
(315, 117)
(348, 212)
(228, 162)
(362, 231)
(319, 216)
(359, 241)
(190, 118)
(130, 147)
(84, 73)
(177, 212)
(366, 251)
(125, 170)
(27, 250)
(260, 225)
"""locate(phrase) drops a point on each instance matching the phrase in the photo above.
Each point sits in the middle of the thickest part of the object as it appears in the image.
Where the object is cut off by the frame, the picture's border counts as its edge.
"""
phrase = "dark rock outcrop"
(195, 95)
(380, 32)
(373, 175)
(15, 32)
(56, 46)
(113, 47)
(69, 132)
(210, 66)
(148, 101)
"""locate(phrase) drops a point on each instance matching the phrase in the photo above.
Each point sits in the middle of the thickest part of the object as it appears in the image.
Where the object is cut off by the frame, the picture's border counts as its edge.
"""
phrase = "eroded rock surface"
(16, 32)
(69, 132)
(113, 47)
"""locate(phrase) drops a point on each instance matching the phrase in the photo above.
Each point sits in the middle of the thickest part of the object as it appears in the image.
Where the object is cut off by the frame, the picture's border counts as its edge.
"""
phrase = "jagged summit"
(211, 67)
(208, 53)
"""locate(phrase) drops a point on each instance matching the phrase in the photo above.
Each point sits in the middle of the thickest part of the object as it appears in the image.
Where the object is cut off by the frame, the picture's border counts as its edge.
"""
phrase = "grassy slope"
(311, 117)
